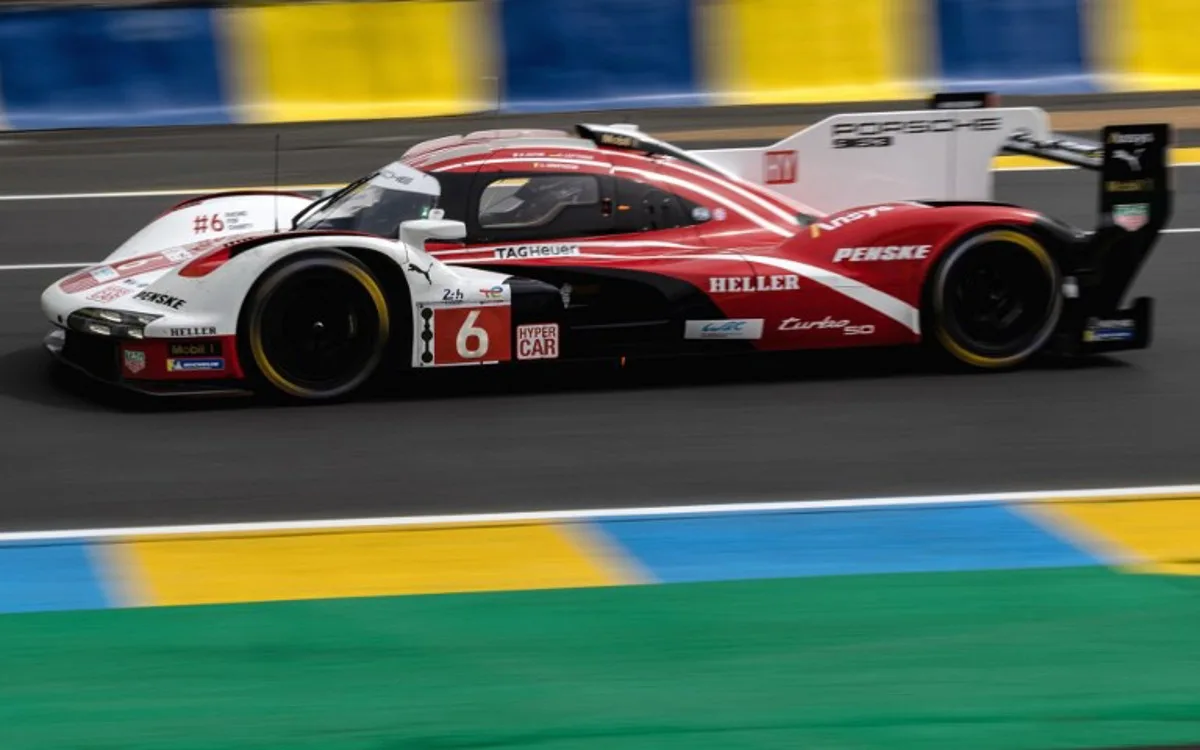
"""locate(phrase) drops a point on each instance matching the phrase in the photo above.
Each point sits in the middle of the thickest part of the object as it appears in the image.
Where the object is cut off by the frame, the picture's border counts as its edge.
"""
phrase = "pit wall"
(86, 67)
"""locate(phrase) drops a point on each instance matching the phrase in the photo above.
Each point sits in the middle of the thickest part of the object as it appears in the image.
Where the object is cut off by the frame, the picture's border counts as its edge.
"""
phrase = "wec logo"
(723, 329)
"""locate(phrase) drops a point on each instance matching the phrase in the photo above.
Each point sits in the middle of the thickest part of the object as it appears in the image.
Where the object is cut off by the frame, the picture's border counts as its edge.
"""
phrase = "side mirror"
(414, 233)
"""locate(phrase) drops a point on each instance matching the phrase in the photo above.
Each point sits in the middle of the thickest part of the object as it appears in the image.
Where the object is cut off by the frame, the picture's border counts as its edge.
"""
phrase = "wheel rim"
(319, 331)
(999, 299)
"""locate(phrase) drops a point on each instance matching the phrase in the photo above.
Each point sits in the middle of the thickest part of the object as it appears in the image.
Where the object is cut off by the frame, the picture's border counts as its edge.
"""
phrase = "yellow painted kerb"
(425, 560)
(784, 51)
(1148, 45)
(359, 60)
(1162, 534)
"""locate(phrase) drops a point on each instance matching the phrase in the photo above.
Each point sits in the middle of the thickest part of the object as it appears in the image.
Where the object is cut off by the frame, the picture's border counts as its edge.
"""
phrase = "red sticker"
(537, 341)
(781, 167)
(472, 335)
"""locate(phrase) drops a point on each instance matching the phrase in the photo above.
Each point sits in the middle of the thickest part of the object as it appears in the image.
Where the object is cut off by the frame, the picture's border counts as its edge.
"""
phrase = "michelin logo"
(535, 251)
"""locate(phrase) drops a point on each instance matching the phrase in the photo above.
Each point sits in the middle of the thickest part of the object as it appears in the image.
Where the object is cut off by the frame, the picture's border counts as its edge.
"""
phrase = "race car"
(521, 247)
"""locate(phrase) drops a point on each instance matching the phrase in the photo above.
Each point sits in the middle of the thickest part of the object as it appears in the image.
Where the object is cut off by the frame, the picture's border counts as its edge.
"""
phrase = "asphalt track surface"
(779, 428)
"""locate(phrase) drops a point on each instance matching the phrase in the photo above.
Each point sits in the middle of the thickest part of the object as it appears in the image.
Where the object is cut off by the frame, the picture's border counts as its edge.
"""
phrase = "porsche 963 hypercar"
(520, 247)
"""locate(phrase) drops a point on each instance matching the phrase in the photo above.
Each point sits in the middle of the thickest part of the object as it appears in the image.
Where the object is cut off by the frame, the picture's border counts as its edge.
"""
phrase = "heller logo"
(888, 252)
(189, 332)
(727, 284)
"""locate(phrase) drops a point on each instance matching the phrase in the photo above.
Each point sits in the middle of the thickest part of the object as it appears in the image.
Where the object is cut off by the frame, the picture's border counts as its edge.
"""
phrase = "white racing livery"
(161, 292)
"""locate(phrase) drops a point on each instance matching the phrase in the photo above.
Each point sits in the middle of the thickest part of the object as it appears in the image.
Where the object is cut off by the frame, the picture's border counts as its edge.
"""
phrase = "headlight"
(116, 323)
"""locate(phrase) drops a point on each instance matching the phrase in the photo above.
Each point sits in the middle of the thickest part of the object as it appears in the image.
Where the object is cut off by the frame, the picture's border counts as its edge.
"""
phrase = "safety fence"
(71, 65)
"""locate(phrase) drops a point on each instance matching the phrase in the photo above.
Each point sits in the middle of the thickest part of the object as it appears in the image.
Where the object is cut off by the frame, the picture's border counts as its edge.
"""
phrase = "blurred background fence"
(69, 63)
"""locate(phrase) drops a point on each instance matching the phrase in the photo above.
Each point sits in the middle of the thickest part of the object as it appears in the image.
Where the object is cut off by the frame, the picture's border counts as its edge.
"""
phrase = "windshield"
(379, 203)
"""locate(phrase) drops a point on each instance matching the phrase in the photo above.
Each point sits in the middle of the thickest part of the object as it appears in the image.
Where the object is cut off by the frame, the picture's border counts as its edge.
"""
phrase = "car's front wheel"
(994, 299)
(316, 327)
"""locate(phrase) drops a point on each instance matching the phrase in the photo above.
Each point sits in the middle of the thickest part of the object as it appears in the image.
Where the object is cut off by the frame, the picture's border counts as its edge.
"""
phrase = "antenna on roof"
(276, 185)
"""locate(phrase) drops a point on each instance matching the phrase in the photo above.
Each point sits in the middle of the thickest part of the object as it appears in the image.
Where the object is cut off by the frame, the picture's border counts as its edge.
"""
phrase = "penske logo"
(883, 252)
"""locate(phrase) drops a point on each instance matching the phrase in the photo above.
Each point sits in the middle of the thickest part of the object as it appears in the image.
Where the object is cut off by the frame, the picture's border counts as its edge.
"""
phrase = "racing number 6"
(471, 335)
(468, 332)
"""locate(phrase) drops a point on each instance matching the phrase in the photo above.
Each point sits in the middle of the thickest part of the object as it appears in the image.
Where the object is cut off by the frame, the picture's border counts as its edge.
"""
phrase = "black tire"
(315, 328)
(994, 299)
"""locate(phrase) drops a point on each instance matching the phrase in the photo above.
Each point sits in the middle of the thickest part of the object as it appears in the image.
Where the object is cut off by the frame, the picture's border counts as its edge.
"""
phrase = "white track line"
(983, 498)
(308, 188)
(160, 193)
(43, 266)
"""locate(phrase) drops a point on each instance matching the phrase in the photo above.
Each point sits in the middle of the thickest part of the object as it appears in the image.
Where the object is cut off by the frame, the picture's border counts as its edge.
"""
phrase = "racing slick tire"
(994, 299)
(314, 327)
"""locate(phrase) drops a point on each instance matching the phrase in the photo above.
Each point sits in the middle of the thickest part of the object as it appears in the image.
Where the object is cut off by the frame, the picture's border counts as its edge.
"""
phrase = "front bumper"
(99, 358)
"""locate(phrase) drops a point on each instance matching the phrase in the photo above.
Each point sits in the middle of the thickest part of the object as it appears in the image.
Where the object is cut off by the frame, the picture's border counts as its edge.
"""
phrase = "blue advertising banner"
(580, 55)
(86, 68)
(1012, 46)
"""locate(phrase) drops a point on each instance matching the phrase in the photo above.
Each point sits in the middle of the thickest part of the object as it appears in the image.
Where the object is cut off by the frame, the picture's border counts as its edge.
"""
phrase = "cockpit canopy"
(377, 203)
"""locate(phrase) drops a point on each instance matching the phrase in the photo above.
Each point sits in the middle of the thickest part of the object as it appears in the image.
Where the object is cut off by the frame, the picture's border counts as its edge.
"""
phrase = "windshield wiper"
(327, 200)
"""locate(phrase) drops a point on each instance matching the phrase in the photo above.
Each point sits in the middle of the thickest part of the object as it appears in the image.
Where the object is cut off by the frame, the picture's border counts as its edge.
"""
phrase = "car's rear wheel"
(316, 327)
(994, 299)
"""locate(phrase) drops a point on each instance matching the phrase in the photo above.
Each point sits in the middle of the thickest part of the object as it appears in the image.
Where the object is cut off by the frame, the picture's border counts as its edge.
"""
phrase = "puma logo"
(423, 271)
(1134, 160)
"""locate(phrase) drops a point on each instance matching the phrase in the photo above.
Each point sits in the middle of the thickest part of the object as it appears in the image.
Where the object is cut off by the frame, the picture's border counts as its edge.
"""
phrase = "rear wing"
(858, 159)
(1134, 196)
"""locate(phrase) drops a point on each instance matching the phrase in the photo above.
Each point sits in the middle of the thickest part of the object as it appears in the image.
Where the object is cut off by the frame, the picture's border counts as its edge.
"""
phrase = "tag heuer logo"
(1131, 217)
(135, 361)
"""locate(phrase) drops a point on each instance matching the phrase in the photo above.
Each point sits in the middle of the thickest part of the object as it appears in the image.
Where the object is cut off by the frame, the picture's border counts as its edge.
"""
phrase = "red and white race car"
(526, 246)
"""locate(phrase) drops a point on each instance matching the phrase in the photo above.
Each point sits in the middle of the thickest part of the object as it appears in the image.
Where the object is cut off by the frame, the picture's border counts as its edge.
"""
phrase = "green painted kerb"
(1032, 659)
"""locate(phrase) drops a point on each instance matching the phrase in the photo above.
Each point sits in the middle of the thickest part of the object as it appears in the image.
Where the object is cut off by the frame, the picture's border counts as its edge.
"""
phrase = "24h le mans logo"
(1131, 217)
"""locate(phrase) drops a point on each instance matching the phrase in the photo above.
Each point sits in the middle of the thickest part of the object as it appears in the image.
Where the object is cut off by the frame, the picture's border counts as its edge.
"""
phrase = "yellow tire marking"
(268, 370)
(979, 360)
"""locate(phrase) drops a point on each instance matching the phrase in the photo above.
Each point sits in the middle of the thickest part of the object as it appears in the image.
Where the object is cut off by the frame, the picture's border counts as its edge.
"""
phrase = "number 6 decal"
(472, 335)
(468, 333)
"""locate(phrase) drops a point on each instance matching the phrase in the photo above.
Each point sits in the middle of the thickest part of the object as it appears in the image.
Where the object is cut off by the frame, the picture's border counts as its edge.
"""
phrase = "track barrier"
(66, 66)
